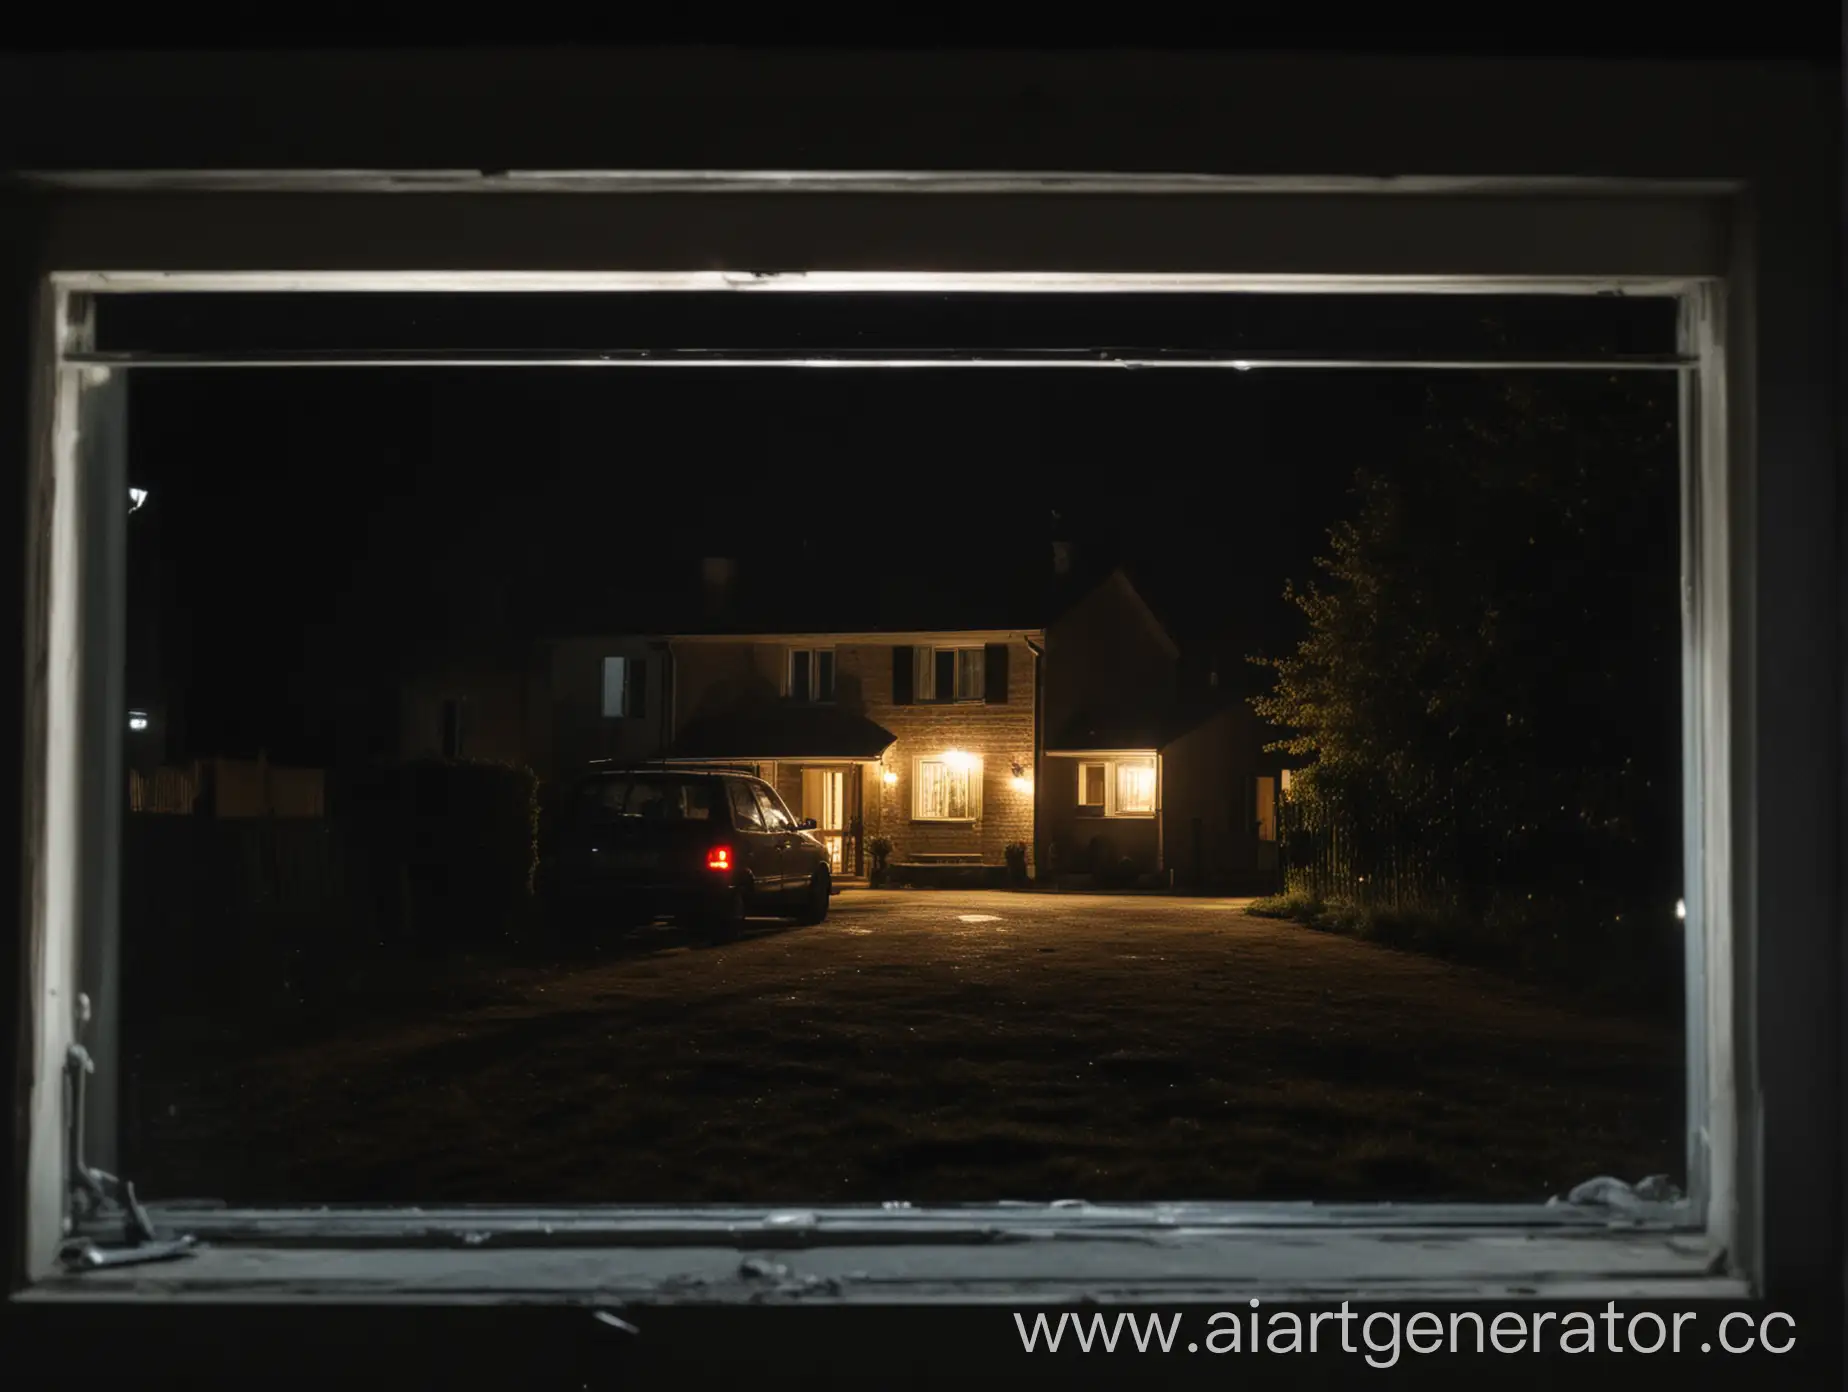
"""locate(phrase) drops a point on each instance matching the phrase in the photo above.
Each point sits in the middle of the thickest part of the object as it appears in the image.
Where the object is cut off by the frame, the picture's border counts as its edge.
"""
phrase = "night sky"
(309, 528)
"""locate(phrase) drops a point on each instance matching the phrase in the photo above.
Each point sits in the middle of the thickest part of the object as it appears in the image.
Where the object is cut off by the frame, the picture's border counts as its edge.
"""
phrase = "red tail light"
(719, 858)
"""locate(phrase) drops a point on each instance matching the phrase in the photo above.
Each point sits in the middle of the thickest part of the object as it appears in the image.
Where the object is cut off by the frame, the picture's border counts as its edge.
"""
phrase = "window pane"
(615, 686)
(956, 798)
(969, 674)
(1484, 711)
(930, 789)
(745, 813)
(1136, 786)
(775, 818)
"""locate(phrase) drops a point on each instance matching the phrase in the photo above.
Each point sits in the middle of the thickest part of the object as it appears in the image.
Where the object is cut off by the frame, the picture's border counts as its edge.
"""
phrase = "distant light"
(137, 720)
(1242, 366)
(136, 497)
(1681, 908)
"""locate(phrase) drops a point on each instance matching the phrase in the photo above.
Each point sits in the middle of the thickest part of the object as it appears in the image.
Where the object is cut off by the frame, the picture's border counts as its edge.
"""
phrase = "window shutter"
(901, 677)
(994, 674)
(638, 687)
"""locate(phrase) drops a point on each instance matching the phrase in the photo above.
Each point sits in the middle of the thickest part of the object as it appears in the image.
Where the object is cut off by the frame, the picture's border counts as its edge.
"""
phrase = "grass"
(933, 1047)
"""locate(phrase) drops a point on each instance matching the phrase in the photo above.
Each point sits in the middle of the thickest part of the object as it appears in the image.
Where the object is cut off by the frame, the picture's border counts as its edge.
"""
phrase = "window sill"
(1016, 1254)
(944, 821)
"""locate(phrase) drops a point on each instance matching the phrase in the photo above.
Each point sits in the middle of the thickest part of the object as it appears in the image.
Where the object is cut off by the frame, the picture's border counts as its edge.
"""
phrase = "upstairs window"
(949, 674)
(811, 674)
(625, 687)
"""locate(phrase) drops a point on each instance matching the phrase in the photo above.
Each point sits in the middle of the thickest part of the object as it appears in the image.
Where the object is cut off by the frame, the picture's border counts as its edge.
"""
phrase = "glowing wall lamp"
(959, 761)
(1022, 781)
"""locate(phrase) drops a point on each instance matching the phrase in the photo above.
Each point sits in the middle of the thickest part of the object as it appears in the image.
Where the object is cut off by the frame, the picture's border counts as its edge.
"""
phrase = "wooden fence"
(171, 791)
(230, 788)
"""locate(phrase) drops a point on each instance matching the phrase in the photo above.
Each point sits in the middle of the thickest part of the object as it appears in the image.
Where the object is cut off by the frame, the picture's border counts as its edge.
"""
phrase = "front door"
(824, 798)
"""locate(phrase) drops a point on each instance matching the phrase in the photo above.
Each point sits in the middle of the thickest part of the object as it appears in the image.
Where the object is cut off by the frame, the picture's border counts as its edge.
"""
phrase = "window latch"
(99, 1199)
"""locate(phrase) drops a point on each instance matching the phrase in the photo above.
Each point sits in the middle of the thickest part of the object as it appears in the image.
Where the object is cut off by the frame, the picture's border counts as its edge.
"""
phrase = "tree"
(1492, 649)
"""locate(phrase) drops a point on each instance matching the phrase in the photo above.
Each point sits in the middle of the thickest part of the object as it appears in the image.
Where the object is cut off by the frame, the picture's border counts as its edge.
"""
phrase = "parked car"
(705, 847)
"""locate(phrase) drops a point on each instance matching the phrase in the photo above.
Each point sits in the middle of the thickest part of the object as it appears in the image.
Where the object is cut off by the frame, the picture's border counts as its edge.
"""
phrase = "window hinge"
(99, 1200)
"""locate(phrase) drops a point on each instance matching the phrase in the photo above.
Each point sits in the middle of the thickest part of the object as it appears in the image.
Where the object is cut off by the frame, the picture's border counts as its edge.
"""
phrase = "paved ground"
(940, 1045)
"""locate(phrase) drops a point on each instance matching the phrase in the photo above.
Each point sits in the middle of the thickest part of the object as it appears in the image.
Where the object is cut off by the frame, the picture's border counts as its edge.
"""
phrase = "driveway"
(943, 1045)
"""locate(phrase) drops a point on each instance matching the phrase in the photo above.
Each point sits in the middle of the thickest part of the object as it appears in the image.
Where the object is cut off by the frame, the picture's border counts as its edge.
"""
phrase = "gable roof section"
(1118, 577)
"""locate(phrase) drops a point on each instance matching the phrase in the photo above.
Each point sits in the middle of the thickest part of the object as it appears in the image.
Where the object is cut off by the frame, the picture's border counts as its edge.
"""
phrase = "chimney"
(718, 576)
(1062, 557)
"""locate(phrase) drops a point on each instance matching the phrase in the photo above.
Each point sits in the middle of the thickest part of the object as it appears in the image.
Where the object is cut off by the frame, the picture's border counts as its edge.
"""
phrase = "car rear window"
(649, 798)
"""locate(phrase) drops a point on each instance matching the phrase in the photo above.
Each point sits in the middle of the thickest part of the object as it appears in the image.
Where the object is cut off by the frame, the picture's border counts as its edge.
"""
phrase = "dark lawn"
(936, 1046)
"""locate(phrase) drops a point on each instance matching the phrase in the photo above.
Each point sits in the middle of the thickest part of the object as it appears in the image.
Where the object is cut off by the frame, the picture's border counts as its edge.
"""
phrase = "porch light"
(1022, 781)
(957, 760)
(136, 497)
(889, 778)
(137, 720)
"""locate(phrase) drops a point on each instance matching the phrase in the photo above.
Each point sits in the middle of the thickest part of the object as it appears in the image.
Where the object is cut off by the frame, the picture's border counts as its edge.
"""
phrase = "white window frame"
(621, 687)
(924, 673)
(1538, 237)
(1112, 805)
(814, 657)
(974, 773)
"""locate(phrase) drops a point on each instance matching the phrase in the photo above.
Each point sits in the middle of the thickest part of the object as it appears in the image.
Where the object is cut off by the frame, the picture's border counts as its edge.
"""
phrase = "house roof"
(792, 731)
(1085, 731)
(861, 590)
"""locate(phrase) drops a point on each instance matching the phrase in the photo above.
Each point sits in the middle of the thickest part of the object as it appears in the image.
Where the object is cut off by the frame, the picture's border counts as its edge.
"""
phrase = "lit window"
(1117, 787)
(948, 788)
(1135, 787)
(949, 674)
(811, 674)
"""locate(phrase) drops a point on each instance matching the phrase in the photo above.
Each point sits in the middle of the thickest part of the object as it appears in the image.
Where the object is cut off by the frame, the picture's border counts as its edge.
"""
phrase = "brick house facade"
(945, 766)
(1075, 739)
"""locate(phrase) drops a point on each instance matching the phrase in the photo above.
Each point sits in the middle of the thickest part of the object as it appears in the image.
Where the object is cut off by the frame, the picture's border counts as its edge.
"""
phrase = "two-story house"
(1054, 715)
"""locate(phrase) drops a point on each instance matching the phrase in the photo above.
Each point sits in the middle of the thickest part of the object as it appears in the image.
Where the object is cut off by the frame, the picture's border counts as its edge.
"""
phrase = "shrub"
(454, 845)
(1296, 906)
(1016, 853)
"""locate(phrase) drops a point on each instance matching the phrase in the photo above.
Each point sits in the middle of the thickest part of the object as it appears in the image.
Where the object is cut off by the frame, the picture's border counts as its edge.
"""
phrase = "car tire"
(815, 898)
